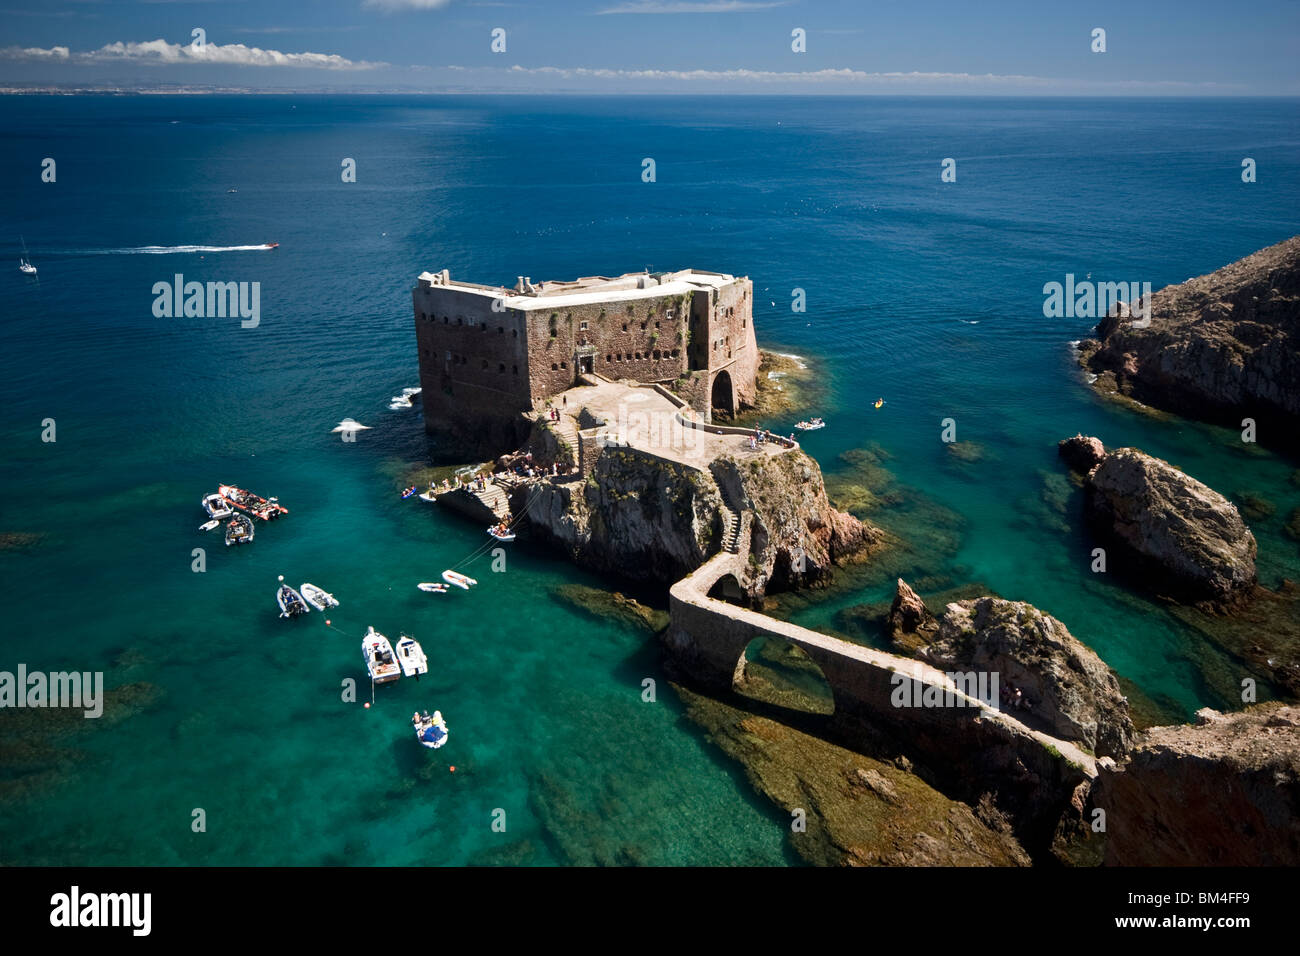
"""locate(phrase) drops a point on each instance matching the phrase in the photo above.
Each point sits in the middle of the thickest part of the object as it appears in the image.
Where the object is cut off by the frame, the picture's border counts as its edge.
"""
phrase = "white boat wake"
(167, 250)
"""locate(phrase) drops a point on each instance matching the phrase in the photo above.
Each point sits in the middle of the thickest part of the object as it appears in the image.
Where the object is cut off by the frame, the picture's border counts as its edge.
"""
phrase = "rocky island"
(1222, 347)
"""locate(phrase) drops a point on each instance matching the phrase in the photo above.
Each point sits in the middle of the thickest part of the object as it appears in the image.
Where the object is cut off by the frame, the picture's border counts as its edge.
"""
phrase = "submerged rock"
(1221, 347)
(1184, 533)
(858, 811)
(1223, 792)
(1058, 682)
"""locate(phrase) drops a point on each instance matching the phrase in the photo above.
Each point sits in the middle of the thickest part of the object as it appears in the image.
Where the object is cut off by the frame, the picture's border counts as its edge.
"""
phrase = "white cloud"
(163, 53)
(693, 6)
(406, 4)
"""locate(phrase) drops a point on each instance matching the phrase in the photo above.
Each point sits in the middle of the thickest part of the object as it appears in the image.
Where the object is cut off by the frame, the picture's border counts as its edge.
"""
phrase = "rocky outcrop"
(857, 810)
(1081, 453)
(645, 518)
(1221, 347)
(1172, 528)
(1224, 792)
(910, 623)
(1045, 675)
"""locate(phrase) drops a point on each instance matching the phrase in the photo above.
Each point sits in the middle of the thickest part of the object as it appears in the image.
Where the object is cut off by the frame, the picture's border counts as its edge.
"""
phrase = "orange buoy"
(327, 622)
(452, 769)
(367, 705)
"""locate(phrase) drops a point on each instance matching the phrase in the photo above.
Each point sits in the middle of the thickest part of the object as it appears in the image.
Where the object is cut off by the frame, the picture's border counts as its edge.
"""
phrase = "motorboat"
(412, 657)
(431, 731)
(458, 579)
(217, 506)
(290, 601)
(811, 426)
(433, 587)
(239, 530)
(501, 535)
(271, 245)
(264, 508)
(209, 525)
(26, 267)
(428, 496)
(318, 598)
(381, 663)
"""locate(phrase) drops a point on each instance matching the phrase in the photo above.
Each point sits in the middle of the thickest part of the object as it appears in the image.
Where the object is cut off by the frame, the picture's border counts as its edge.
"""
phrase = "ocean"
(924, 293)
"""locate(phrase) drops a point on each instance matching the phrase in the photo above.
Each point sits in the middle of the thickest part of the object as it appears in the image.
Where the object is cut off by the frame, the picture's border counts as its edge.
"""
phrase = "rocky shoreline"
(1223, 347)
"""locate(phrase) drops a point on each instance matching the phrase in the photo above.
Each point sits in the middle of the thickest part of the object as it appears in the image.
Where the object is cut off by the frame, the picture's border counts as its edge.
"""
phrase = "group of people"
(762, 435)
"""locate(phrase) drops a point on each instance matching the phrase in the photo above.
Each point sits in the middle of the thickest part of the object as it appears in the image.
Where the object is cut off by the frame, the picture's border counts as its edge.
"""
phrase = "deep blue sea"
(925, 293)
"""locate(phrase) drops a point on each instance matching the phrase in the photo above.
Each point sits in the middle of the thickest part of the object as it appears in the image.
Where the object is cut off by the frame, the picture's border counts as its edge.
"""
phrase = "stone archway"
(722, 396)
(780, 672)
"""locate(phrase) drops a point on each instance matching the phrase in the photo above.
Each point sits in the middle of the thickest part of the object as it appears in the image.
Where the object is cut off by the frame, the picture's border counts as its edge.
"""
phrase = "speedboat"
(290, 601)
(496, 532)
(432, 587)
(264, 508)
(216, 506)
(26, 267)
(458, 579)
(811, 426)
(428, 496)
(412, 657)
(318, 598)
(378, 654)
(272, 245)
(430, 731)
(209, 525)
(239, 530)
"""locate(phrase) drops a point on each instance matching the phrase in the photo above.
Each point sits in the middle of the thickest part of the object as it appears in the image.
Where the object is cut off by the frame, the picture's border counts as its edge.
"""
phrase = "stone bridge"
(968, 748)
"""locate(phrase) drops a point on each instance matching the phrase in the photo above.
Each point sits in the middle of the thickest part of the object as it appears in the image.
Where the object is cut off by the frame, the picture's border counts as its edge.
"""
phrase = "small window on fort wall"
(485, 364)
(643, 325)
(668, 313)
(656, 353)
(501, 330)
(564, 365)
(501, 367)
(554, 367)
(515, 369)
(624, 326)
(609, 359)
(582, 326)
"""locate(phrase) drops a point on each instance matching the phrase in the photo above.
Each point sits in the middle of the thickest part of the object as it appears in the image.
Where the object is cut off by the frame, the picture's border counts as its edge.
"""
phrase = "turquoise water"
(231, 710)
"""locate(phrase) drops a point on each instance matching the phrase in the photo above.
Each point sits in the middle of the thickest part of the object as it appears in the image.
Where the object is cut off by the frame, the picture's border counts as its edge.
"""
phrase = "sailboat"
(24, 265)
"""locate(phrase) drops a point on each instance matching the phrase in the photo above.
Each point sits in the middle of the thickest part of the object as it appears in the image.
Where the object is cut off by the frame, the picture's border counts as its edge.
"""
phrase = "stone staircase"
(494, 498)
(567, 429)
(730, 530)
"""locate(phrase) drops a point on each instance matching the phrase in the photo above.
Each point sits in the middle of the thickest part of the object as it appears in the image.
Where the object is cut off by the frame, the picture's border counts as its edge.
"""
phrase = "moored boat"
(246, 501)
(433, 587)
(217, 506)
(412, 657)
(290, 601)
(381, 664)
(209, 525)
(318, 598)
(458, 579)
(239, 530)
(431, 731)
(407, 492)
(501, 532)
(811, 426)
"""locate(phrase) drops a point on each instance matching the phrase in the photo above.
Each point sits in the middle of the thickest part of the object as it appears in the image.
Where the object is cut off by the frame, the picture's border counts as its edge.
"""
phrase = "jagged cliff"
(644, 517)
(1220, 347)
(1222, 792)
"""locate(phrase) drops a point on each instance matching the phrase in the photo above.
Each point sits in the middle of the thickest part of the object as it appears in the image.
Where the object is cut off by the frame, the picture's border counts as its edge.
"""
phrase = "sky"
(977, 47)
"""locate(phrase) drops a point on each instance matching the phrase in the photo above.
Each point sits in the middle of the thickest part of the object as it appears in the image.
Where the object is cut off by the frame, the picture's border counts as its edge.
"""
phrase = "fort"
(490, 356)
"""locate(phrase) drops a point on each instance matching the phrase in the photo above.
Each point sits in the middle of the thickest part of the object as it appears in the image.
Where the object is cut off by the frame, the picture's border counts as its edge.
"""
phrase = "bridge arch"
(781, 673)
